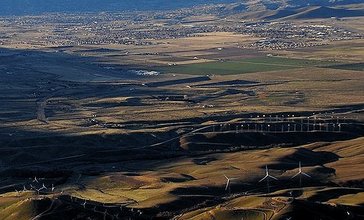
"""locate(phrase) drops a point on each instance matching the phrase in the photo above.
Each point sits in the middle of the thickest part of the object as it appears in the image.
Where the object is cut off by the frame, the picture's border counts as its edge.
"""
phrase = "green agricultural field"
(250, 65)
(352, 66)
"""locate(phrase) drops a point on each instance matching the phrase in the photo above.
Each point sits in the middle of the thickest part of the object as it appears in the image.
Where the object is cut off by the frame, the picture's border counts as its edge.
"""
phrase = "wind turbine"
(35, 180)
(228, 182)
(84, 204)
(267, 175)
(38, 190)
(43, 187)
(79, 177)
(32, 187)
(300, 173)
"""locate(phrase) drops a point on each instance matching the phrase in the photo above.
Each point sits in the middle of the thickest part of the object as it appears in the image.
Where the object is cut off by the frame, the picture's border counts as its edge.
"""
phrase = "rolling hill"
(315, 12)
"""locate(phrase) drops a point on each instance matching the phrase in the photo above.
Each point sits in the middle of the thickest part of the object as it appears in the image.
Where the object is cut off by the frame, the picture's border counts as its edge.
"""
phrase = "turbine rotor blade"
(263, 179)
(295, 175)
(305, 174)
(227, 185)
(273, 177)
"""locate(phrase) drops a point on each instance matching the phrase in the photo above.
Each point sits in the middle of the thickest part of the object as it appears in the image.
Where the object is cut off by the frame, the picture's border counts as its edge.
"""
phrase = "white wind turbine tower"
(228, 182)
(267, 177)
(84, 204)
(17, 191)
(300, 173)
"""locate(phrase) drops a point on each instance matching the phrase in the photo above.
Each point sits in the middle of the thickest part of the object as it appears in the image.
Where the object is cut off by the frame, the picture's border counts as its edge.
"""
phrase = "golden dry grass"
(149, 189)
(350, 166)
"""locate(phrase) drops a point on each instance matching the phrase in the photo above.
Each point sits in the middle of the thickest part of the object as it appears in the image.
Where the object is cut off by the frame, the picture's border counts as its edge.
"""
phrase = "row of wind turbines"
(33, 187)
(278, 127)
(268, 176)
(38, 186)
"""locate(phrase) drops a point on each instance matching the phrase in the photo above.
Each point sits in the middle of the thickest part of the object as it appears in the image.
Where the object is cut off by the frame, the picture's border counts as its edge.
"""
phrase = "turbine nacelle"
(228, 182)
(300, 172)
(267, 175)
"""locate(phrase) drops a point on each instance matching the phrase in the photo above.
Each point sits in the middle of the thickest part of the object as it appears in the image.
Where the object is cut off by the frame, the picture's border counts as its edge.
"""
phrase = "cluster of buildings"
(287, 35)
(145, 28)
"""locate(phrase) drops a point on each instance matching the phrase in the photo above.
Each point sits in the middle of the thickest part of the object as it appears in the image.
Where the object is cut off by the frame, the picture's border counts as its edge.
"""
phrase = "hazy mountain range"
(24, 7)
(16, 7)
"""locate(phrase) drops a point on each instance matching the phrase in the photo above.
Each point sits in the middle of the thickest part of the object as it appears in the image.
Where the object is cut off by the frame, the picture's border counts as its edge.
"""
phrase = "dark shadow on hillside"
(307, 158)
(303, 210)
(250, 140)
(178, 81)
(329, 194)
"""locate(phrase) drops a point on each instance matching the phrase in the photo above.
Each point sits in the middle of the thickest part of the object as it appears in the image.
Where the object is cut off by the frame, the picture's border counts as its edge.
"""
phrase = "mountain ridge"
(29, 7)
(314, 12)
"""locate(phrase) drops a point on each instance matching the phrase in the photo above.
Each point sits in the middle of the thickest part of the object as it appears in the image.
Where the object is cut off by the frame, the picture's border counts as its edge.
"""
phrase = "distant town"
(144, 28)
